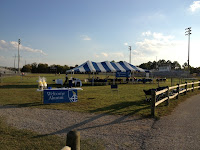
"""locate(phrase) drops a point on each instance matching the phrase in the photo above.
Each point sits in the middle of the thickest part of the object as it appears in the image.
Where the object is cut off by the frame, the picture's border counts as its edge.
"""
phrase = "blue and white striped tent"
(106, 66)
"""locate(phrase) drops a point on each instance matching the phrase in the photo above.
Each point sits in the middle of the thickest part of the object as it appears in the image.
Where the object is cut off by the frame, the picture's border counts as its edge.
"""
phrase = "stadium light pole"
(130, 54)
(188, 32)
(18, 54)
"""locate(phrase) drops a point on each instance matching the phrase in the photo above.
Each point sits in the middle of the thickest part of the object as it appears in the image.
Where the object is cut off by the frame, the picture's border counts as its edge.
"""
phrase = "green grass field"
(129, 100)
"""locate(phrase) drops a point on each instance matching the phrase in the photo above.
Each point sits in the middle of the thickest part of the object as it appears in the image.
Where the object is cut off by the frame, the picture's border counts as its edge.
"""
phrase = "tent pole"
(93, 79)
(131, 76)
(114, 78)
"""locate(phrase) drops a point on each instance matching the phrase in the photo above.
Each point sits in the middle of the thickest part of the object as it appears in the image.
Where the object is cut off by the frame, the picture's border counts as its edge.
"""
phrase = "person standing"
(66, 79)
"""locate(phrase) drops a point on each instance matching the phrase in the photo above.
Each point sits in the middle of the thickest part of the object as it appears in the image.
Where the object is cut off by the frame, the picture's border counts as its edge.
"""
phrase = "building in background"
(164, 67)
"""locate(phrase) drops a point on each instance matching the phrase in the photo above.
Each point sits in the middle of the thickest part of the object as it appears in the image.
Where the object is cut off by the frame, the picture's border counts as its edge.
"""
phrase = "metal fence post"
(177, 89)
(153, 101)
(73, 140)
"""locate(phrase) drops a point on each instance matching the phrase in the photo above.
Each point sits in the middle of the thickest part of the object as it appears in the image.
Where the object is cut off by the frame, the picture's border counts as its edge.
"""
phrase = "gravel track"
(117, 132)
(179, 131)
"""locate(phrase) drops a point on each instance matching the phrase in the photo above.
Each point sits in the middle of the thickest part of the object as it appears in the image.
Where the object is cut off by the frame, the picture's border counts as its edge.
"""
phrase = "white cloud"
(85, 38)
(153, 43)
(165, 47)
(113, 55)
(109, 56)
(148, 33)
(96, 56)
(117, 55)
(13, 45)
(126, 44)
(194, 6)
(104, 54)
(160, 36)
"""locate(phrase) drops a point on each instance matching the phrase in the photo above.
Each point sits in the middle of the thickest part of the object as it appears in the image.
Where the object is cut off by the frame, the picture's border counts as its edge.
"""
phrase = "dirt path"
(117, 132)
(180, 130)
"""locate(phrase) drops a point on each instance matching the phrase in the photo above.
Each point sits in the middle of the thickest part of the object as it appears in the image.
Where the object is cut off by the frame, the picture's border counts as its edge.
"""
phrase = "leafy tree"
(76, 65)
(71, 67)
(42, 68)
(34, 67)
(154, 65)
(59, 69)
(66, 67)
(26, 68)
(175, 65)
(185, 66)
(168, 62)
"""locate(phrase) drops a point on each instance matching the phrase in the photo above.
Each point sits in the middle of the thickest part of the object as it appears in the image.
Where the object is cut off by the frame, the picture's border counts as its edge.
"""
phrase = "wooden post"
(177, 89)
(192, 86)
(199, 84)
(153, 101)
(167, 101)
(73, 140)
(185, 88)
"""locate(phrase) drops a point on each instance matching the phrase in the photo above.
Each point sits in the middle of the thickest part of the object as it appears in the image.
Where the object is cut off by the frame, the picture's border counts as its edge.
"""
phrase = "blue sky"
(70, 32)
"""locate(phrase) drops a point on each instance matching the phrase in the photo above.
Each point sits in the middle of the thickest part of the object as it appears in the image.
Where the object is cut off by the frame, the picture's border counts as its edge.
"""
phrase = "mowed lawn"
(21, 91)
(128, 100)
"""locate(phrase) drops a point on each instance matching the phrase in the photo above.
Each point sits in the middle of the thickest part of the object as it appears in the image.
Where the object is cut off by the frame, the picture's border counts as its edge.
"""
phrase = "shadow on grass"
(8, 106)
(17, 86)
(86, 124)
(28, 86)
(140, 105)
(26, 104)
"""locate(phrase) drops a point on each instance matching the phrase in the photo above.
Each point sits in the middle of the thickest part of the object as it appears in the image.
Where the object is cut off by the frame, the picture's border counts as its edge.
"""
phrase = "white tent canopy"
(106, 66)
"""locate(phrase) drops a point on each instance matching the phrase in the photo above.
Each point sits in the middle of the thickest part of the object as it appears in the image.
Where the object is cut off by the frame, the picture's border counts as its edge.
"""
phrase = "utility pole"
(188, 32)
(130, 54)
(18, 55)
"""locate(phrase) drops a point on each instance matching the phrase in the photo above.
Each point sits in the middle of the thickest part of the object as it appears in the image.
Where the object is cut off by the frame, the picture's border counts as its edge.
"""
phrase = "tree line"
(174, 66)
(45, 68)
(155, 64)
